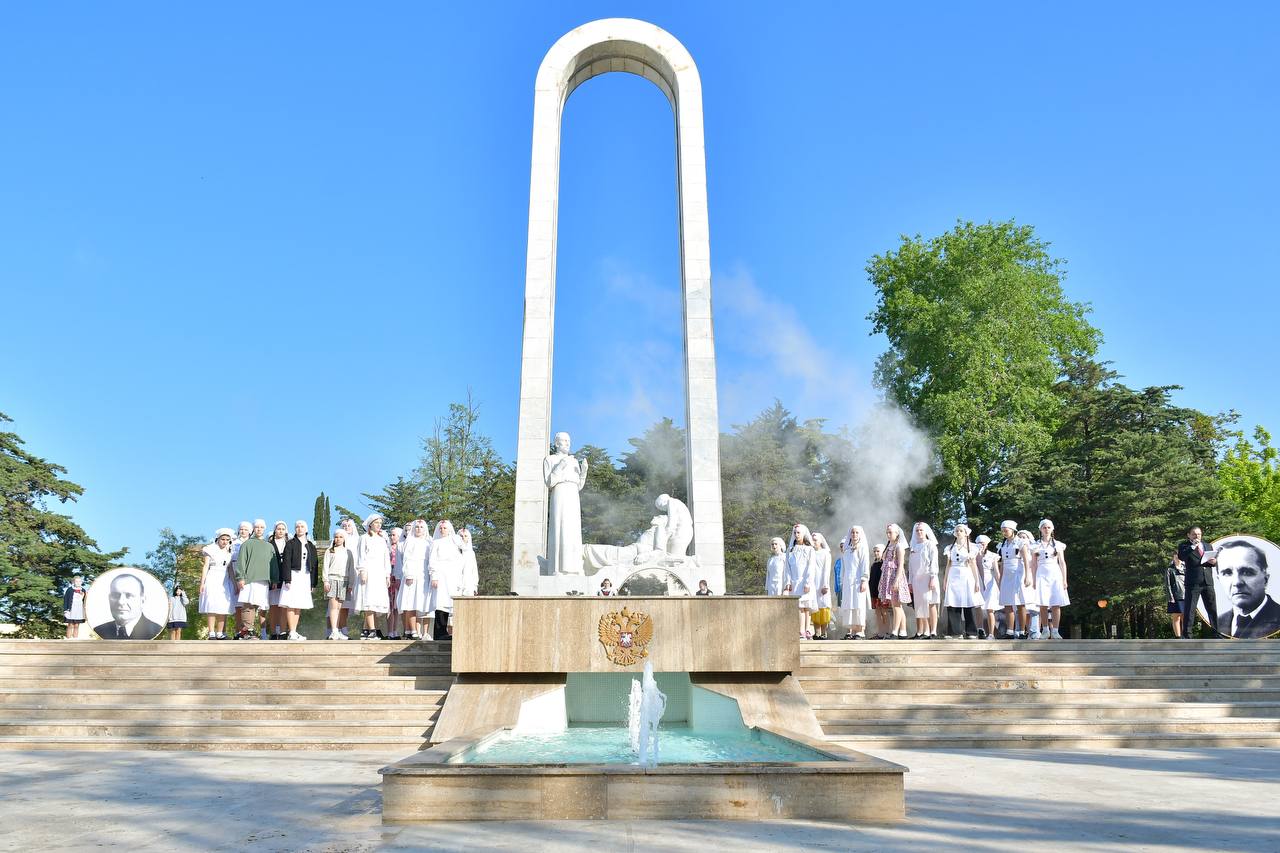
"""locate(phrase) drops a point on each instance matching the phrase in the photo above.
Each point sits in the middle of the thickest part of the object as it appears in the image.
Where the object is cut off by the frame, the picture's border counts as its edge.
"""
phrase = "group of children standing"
(1024, 577)
(402, 579)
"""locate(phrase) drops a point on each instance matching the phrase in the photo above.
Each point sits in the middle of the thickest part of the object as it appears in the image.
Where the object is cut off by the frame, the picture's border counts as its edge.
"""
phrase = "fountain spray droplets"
(644, 712)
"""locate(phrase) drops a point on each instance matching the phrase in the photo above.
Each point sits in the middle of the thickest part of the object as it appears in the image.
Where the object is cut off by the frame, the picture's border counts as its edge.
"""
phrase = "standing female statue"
(565, 475)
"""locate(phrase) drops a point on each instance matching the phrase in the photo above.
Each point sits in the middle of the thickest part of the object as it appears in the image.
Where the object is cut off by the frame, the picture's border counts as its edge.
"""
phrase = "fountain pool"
(603, 744)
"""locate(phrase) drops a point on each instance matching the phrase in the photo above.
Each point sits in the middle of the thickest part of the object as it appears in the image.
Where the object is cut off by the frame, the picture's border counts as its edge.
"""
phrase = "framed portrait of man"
(1246, 586)
(127, 604)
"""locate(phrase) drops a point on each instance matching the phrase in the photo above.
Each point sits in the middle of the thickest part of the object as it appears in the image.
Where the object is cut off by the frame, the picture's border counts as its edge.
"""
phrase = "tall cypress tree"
(319, 528)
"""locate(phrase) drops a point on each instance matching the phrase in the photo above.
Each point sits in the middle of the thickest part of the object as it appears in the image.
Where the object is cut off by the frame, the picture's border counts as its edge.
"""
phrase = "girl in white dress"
(217, 591)
(855, 571)
(339, 567)
(987, 561)
(470, 568)
(775, 571)
(373, 570)
(801, 563)
(353, 545)
(301, 567)
(925, 592)
(822, 582)
(1049, 563)
(444, 569)
(1015, 581)
(1033, 591)
(963, 583)
(413, 596)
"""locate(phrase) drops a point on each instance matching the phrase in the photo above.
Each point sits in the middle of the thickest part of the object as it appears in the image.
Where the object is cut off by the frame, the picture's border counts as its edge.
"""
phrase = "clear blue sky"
(224, 228)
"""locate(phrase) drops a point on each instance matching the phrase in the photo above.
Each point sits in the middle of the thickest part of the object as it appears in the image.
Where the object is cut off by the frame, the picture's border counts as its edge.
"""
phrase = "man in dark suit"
(1253, 614)
(127, 620)
(1199, 582)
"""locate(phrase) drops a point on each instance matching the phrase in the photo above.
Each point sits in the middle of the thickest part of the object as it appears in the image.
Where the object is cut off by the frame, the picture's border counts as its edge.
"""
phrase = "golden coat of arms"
(625, 636)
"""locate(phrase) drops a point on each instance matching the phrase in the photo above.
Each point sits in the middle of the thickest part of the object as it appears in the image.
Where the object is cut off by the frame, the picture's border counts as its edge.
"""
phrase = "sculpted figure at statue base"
(664, 545)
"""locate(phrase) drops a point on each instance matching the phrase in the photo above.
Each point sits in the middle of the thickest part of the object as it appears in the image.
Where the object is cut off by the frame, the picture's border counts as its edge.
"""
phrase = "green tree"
(454, 453)
(177, 559)
(1124, 475)
(320, 519)
(979, 331)
(40, 550)
(400, 502)
(1250, 476)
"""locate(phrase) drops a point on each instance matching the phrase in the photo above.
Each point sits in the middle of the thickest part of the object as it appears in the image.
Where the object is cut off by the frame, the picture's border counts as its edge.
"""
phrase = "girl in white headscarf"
(445, 572)
(217, 589)
(775, 571)
(413, 597)
(822, 582)
(988, 563)
(352, 535)
(1015, 581)
(1033, 591)
(373, 569)
(395, 547)
(339, 569)
(895, 587)
(1049, 565)
(801, 581)
(855, 569)
(470, 568)
(925, 592)
(274, 627)
(963, 583)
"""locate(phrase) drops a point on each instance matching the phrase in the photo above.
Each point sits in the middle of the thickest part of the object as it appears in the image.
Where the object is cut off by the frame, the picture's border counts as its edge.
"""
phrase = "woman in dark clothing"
(1175, 584)
(878, 604)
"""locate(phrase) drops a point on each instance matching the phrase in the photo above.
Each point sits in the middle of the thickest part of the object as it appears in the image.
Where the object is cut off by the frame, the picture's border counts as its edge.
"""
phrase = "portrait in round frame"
(127, 603)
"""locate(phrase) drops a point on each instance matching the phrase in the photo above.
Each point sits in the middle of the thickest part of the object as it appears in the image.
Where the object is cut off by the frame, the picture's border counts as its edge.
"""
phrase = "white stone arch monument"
(636, 47)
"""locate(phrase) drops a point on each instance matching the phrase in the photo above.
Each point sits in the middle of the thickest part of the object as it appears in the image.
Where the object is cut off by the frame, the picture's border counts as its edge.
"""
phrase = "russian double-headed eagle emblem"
(625, 636)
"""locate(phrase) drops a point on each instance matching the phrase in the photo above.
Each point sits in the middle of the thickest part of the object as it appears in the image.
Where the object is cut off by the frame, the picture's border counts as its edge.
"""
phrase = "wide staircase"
(1050, 693)
(201, 695)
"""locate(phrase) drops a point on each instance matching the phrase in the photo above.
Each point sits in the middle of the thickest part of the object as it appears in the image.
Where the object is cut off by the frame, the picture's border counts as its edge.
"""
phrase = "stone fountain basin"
(431, 786)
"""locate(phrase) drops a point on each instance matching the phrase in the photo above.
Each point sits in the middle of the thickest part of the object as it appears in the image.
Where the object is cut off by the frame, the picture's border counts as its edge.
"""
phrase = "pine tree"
(40, 550)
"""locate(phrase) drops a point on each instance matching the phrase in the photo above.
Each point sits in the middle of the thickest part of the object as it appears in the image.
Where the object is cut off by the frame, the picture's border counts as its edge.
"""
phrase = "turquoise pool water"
(612, 745)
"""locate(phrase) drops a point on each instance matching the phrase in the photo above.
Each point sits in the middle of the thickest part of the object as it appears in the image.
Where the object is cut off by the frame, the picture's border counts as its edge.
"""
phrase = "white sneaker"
(1054, 633)
(343, 632)
(342, 636)
(332, 635)
(295, 637)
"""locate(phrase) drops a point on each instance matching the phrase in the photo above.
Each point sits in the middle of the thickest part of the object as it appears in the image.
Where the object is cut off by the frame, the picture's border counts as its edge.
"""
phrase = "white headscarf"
(805, 536)
(369, 519)
(928, 534)
(899, 539)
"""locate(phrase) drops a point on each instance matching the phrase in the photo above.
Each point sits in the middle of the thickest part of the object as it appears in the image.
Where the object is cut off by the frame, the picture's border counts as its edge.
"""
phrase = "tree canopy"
(40, 550)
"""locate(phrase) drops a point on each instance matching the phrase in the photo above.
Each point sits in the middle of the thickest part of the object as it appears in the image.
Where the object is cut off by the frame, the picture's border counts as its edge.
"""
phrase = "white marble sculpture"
(664, 545)
(565, 475)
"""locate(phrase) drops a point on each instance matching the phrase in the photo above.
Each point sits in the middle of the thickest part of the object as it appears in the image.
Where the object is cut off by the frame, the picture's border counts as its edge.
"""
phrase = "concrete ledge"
(426, 787)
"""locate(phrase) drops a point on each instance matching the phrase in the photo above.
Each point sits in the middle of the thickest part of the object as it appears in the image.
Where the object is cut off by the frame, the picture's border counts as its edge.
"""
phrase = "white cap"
(1012, 525)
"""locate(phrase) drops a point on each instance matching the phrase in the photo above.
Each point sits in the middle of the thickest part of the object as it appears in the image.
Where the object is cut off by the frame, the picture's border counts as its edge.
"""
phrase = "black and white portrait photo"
(127, 604)
(1246, 585)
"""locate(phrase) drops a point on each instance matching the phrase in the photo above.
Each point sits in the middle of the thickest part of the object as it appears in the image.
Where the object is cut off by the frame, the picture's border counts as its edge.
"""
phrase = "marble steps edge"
(230, 744)
(1166, 740)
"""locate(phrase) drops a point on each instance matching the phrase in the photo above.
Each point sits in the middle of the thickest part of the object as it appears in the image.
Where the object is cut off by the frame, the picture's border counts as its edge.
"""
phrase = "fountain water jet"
(645, 709)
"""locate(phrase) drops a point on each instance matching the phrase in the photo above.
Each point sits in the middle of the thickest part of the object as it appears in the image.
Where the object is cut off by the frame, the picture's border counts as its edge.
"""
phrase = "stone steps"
(333, 681)
(72, 697)
(1058, 740)
(214, 695)
(1061, 694)
(856, 714)
(1035, 726)
(54, 713)
(326, 730)
(209, 744)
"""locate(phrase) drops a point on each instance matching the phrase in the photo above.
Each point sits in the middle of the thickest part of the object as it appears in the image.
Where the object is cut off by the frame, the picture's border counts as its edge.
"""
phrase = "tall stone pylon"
(600, 47)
